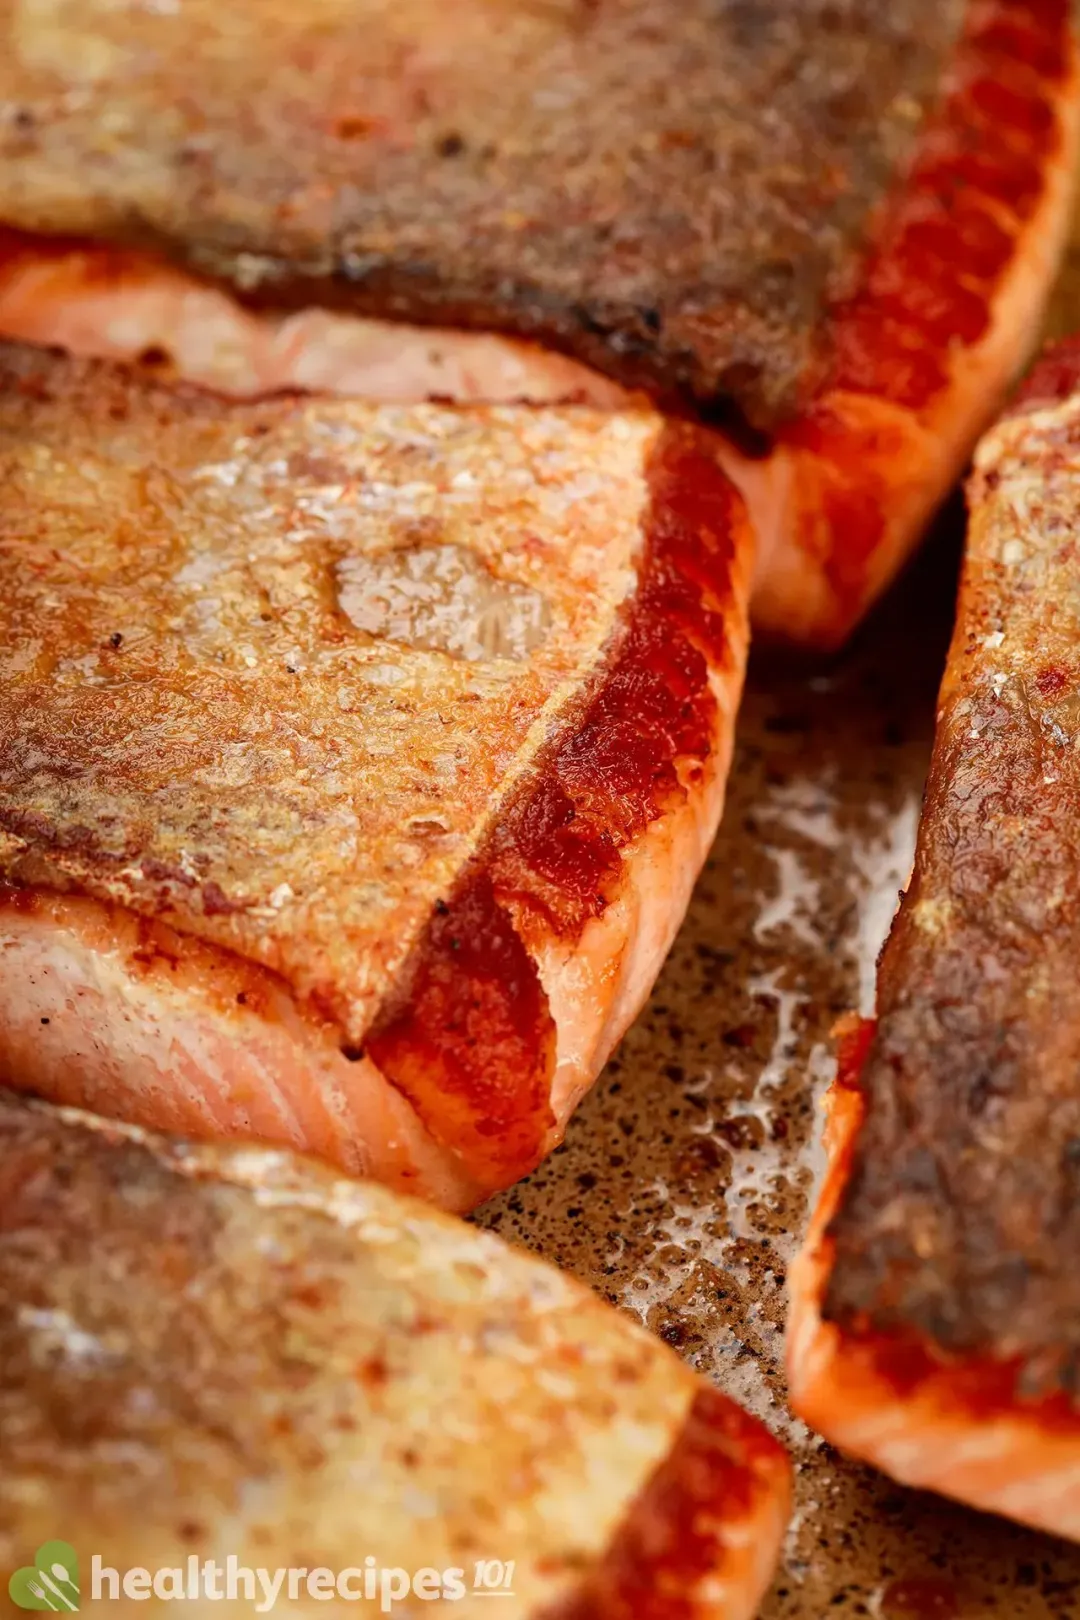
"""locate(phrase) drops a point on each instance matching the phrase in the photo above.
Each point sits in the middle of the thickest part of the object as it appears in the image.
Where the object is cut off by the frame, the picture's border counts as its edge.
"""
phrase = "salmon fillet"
(207, 1353)
(549, 202)
(935, 1325)
(356, 761)
(598, 178)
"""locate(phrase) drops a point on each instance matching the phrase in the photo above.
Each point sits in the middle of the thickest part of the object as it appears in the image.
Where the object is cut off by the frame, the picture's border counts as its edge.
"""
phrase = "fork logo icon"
(50, 1582)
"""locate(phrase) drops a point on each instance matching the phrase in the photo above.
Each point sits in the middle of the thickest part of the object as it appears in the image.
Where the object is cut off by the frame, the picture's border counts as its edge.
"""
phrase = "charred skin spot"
(473, 1047)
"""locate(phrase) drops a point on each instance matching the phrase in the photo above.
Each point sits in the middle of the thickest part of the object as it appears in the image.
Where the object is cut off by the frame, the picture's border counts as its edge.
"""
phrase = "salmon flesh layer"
(936, 1308)
(356, 761)
(209, 1353)
(832, 228)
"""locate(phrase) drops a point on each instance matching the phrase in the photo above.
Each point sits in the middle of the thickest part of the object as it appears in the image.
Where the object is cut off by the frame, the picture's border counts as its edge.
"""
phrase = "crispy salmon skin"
(936, 1319)
(598, 178)
(205, 1352)
(356, 761)
(567, 202)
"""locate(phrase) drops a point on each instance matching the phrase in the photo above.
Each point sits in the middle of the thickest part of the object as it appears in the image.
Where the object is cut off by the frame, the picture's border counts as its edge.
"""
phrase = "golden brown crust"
(394, 702)
(202, 1349)
(674, 194)
(189, 697)
(962, 1217)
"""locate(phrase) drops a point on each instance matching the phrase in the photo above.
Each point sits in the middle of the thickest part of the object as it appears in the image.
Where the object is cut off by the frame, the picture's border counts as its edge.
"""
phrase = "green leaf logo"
(50, 1582)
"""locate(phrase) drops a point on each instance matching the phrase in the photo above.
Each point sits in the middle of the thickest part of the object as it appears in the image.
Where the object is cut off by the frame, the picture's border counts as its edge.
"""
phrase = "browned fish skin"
(393, 735)
(602, 178)
(962, 1218)
(188, 699)
(860, 277)
(205, 1352)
